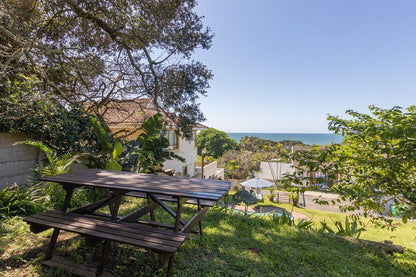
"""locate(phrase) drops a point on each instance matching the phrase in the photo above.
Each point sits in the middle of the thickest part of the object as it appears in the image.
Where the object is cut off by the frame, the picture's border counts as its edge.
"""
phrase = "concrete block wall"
(16, 161)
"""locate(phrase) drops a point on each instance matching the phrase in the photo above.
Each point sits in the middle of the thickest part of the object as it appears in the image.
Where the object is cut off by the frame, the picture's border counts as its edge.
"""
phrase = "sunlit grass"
(232, 245)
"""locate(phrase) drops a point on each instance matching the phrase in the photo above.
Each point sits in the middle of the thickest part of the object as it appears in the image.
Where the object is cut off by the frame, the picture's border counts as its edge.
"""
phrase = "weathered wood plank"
(138, 232)
(74, 268)
(166, 198)
(166, 208)
(134, 216)
(165, 185)
(132, 230)
(75, 228)
(194, 220)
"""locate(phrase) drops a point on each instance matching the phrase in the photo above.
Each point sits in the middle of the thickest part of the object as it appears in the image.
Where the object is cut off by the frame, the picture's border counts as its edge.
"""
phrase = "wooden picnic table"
(151, 234)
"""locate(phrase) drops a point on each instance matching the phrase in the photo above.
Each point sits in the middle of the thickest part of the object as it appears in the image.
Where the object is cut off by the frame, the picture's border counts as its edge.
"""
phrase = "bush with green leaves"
(348, 229)
(286, 219)
(377, 160)
(21, 201)
(148, 152)
(54, 164)
(62, 127)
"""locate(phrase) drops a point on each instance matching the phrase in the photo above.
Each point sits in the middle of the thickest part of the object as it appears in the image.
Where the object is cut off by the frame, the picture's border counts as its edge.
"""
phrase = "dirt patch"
(255, 251)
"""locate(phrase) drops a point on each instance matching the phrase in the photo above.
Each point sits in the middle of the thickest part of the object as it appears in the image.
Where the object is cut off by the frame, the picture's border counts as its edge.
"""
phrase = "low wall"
(16, 161)
(210, 170)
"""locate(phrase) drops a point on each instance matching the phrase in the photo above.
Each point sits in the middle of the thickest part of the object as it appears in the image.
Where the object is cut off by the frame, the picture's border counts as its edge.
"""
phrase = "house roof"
(131, 114)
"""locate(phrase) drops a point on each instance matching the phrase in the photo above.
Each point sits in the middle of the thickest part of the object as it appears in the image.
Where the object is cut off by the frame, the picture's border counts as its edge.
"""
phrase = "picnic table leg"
(200, 222)
(152, 213)
(54, 237)
(170, 265)
(178, 215)
(104, 255)
(107, 244)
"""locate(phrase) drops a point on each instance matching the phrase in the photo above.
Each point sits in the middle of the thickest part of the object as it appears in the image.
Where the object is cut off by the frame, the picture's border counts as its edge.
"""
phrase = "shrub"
(21, 201)
(349, 229)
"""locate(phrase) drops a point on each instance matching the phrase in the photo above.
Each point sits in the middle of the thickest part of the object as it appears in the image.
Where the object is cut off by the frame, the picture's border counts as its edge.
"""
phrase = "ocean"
(307, 138)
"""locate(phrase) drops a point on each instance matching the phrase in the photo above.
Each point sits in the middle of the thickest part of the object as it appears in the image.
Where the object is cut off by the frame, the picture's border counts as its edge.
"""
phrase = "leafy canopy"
(109, 49)
(377, 160)
(64, 128)
(215, 142)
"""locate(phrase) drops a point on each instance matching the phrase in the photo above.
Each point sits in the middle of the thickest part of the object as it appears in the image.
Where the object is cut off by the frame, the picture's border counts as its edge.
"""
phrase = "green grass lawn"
(403, 234)
(232, 245)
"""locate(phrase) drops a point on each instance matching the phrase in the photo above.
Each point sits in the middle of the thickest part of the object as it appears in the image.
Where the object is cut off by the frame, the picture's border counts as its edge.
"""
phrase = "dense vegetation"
(64, 128)
(214, 142)
(375, 163)
(250, 152)
(95, 51)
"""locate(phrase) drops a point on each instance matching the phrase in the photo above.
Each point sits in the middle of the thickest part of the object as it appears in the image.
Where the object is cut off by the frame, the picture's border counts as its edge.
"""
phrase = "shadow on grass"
(235, 245)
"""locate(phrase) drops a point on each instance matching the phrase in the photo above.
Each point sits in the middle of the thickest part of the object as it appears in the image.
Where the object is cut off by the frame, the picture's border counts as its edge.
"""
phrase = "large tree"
(215, 142)
(101, 50)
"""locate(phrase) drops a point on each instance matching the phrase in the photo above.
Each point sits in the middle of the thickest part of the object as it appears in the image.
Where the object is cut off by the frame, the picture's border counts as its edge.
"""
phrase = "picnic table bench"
(129, 229)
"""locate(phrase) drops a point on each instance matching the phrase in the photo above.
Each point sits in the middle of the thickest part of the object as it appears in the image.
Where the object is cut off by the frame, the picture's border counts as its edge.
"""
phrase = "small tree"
(243, 196)
(377, 160)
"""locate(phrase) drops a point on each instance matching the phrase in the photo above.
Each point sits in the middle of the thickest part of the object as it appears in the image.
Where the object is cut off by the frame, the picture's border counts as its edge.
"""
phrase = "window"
(173, 139)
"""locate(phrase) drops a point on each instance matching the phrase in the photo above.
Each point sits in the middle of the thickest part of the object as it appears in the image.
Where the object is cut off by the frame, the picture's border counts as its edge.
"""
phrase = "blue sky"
(282, 66)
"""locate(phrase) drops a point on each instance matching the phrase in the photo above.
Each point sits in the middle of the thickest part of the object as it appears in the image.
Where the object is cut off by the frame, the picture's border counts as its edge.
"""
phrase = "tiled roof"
(132, 114)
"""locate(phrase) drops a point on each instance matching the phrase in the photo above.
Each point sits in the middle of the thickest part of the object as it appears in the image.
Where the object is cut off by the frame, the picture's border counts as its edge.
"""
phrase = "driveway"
(309, 200)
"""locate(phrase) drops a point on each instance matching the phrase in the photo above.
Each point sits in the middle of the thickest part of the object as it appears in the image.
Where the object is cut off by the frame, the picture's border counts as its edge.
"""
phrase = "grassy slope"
(403, 234)
(232, 246)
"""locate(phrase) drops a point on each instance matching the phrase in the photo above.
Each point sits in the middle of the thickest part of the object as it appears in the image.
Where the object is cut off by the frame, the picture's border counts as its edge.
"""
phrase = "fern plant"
(348, 229)
(288, 220)
(53, 165)
(20, 201)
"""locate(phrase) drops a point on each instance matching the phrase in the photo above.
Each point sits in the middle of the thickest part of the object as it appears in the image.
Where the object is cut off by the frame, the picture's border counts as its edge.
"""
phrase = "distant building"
(125, 119)
(274, 170)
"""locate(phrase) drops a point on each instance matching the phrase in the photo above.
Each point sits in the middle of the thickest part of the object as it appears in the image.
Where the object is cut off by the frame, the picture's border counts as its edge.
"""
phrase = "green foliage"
(238, 165)
(232, 245)
(149, 151)
(309, 163)
(21, 201)
(109, 157)
(252, 151)
(53, 193)
(64, 128)
(56, 164)
(256, 144)
(243, 196)
(215, 142)
(349, 229)
(377, 160)
(105, 50)
(285, 219)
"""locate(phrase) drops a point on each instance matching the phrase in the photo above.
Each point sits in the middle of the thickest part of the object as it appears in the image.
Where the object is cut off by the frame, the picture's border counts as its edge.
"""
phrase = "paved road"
(309, 200)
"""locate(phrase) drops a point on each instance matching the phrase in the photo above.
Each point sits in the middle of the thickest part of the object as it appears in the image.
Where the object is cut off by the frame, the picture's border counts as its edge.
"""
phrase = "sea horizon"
(306, 138)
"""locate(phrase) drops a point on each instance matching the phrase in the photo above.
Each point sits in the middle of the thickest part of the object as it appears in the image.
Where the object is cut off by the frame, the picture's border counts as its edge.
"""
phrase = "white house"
(274, 170)
(126, 117)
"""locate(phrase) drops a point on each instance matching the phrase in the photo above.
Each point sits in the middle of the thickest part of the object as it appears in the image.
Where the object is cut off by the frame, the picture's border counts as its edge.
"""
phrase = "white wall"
(16, 161)
(187, 150)
(210, 170)
(274, 170)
